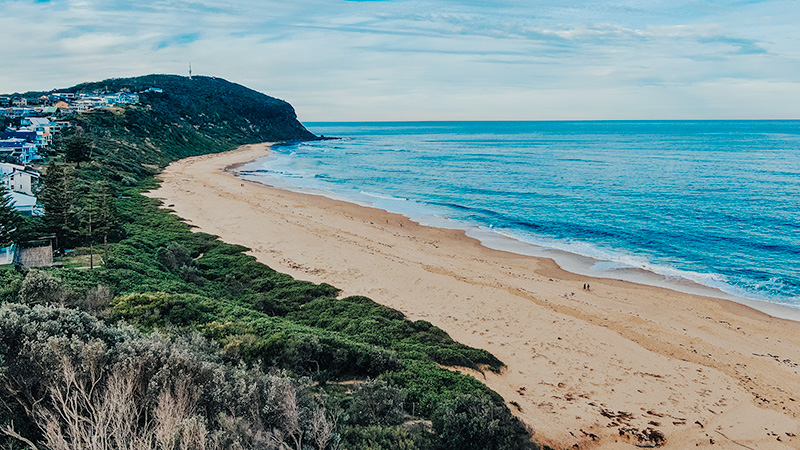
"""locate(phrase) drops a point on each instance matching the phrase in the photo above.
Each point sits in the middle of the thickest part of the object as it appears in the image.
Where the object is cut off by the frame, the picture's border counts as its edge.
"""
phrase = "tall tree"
(78, 149)
(10, 219)
(98, 218)
(58, 199)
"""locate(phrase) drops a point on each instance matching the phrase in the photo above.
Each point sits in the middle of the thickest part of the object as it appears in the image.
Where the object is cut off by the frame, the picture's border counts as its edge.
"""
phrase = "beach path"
(593, 368)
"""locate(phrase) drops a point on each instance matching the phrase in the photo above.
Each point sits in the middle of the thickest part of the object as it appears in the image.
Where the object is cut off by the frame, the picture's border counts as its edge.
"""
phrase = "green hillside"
(216, 108)
(179, 340)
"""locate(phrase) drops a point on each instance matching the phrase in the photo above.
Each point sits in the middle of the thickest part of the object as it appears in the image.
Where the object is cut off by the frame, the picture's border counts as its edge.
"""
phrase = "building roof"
(21, 201)
(31, 173)
(12, 142)
(38, 120)
(8, 167)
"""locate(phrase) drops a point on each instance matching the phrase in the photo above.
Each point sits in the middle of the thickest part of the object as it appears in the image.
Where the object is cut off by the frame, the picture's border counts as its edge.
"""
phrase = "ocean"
(678, 203)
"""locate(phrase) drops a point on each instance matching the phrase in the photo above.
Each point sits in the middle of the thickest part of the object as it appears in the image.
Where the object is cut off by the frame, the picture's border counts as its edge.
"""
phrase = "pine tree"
(77, 149)
(57, 197)
(10, 219)
(98, 218)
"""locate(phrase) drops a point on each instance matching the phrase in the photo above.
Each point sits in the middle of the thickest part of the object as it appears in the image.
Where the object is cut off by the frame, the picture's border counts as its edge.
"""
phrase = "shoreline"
(574, 263)
(572, 355)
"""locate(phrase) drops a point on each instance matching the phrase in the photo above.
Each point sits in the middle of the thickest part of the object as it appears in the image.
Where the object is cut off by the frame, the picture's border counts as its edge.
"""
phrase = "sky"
(347, 60)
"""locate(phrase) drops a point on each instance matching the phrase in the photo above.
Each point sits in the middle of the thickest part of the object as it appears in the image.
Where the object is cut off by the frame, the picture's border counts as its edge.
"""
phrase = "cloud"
(743, 46)
(178, 40)
(405, 59)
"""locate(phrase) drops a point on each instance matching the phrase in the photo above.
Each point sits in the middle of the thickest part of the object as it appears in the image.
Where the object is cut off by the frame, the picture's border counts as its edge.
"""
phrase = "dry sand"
(581, 365)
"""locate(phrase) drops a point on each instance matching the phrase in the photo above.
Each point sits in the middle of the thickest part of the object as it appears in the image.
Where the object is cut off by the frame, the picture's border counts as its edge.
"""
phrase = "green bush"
(375, 402)
(469, 422)
(389, 438)
(10, 284)
(112, 375)
(40, 287)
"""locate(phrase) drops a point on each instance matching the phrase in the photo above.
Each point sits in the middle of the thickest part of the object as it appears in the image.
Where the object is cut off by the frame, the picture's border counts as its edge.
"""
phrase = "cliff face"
(213, 106)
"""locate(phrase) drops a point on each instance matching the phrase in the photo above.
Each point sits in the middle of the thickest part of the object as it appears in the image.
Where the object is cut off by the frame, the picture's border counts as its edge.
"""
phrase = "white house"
(23, 181)
(18, 179)
(42, 124)
(7, 168)
(18, 148)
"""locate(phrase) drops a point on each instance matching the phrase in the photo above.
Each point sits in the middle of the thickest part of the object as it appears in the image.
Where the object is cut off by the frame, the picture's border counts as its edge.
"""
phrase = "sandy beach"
(584, 367)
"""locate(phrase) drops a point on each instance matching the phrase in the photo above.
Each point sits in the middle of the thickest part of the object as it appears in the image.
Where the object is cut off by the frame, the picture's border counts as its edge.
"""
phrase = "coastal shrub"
(149, 310)
(366, 321)
(97, 299)
(416, 378)
(469, 422)
(10, 283)
(39, 287)
(400, 437)
(174, 256)
(375, 402)
(305, 351)
(277, 342)
(143, 390)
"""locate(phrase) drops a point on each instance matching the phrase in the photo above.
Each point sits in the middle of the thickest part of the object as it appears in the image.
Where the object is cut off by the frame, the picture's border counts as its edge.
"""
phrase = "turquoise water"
(713, 202)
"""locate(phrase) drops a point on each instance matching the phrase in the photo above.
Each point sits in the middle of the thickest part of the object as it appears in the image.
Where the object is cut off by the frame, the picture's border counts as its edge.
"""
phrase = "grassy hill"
(179, 340)
(215, 108)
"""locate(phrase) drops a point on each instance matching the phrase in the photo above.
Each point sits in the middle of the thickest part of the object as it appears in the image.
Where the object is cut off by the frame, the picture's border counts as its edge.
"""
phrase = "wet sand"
(586, 367)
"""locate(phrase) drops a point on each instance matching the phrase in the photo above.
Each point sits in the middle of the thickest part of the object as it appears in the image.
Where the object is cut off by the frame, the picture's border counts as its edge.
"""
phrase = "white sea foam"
(353, 170)
(383, 197)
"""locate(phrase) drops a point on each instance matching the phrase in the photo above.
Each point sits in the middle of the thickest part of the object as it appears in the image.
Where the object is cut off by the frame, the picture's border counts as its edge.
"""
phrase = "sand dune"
(586, 367)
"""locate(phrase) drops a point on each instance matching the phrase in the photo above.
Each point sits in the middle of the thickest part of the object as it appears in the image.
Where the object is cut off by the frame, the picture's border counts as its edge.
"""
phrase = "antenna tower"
(190, 71)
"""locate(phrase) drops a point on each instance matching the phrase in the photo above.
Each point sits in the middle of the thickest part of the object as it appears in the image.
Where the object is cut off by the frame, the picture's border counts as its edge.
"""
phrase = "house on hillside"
(39, 139)
(17, 178)
(20, 111)
(22, 184)
(62, 96)
(6, 168)
(87, 103)
(121, 98)
(18, 148)
(42, 124)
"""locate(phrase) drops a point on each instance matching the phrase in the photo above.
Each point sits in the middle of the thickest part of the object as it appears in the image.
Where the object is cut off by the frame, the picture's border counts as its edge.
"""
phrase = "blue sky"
(432, 60)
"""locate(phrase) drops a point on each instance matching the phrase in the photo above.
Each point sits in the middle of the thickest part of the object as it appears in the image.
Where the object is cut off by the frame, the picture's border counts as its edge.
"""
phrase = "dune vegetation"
(174, 339)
